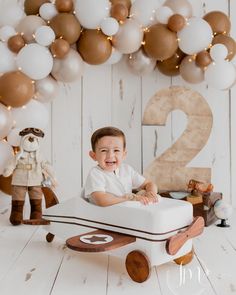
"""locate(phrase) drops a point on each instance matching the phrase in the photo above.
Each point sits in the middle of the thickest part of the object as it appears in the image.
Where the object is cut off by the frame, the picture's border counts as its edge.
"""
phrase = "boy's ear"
(125, 153)
(92, 155)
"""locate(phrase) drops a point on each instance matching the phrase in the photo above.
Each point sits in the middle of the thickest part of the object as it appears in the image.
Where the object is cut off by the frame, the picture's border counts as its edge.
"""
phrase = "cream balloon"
(115, 57)
(195, 36)
(218, 52)
(129, 37)
(69, 68)
(140, 64)
(6, 153)
(47, 11)
(6, 32)
(44, 35)
(7, 63)
(46, 89)
(190, 72)
(220, 74)
(6, 121)
(163, 14)
(90, 13)
(10, 13)
(182, 7)
(13, 138)
(34, 113)
(109, 26)
(35, 61)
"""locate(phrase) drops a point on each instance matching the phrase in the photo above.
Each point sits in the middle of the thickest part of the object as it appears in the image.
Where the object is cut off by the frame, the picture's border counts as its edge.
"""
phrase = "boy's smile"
(109, 152)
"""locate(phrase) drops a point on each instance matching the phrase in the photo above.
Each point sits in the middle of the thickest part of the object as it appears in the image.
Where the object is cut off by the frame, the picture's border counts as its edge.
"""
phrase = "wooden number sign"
(169, 170)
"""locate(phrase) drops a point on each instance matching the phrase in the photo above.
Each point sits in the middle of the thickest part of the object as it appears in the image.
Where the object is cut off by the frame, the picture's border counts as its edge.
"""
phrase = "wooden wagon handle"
(175, 242)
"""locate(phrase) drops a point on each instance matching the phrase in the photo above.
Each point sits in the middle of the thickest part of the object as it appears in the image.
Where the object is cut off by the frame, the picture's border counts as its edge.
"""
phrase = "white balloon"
(6, 121)
(90, 13)
(35, 61)
(44, 35)
(163, 14)
(144, 11)
(221, 74)
(6, 153)
(46, 89)
(218, 52)
(115, 57)
(33, 114)
(195, 36)
(13, 138)
(10, 13)
(6, 32)
(47, 11)
(7, 59)
(222, 209)
(109, 26)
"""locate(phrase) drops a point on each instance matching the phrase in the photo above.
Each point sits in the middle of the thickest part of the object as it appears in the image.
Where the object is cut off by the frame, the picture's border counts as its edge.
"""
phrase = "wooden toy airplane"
(146, 235)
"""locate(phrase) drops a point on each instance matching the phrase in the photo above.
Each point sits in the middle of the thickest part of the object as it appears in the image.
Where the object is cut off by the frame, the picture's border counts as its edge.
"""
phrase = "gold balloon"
(64, 5)
(16, 89)
(60, 48)
(203, 59)
(32, 6)
(176, 22)
(228, 42)
(94, 47)
(170, 66)
(15, 43)
(119, 11)
(66, 25)
(127, 3)
(5, 184)
(160, 42)
(218, 21)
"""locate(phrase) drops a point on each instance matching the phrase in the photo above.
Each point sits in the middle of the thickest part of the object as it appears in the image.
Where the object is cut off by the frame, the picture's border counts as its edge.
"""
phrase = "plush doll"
(29, 170)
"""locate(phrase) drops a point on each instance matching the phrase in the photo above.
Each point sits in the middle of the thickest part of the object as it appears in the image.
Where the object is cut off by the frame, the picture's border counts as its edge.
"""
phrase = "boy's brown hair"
(106, 131)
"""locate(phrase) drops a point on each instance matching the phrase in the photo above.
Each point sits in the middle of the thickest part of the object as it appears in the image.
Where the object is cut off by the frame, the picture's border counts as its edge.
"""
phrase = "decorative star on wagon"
(96, 239)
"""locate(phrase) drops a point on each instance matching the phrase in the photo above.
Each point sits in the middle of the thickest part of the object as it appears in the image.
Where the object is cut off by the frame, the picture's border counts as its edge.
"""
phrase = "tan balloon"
(94, 47)
(218, 21)
(28, 25)
(16, 89)
(127, 3)
(32, 6)
(64, 5)
(203, 59)
(176, 22)
(60, 48)
(228, 42)
(170, 66)
(160, 42)
(190, 72)
(182, 7)
(119, 11)
(5, 184)
(15, 43)
(66, 25)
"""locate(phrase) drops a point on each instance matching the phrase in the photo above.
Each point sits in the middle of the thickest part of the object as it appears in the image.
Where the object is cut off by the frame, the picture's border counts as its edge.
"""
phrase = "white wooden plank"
(82, 273)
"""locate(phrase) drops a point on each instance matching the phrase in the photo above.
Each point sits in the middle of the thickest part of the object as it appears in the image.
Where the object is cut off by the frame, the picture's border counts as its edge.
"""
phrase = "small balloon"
(203, 59)
(170, 66)
(218, 21)
(115, 57)
(109, 26)
(6, 32)
(47, 11)
(182, 7)
(32, 6)
(59, 48)
(140, 64)
(218, 52)
(163, 14)
(6, 121)
(190, 72)
(13, 138)
(176, 22)
(6, 153)
(46, 89)
(228, 42)
(64, 5)
(44, 35)
(15, 43)
(127, 3)
(8, 63)
(119, 11)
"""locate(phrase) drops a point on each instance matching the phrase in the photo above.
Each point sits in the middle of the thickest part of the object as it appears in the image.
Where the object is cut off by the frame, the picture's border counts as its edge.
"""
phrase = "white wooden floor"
(30, 265)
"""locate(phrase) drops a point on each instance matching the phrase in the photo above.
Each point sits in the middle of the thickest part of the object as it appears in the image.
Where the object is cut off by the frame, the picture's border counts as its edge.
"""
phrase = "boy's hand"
(145, 200)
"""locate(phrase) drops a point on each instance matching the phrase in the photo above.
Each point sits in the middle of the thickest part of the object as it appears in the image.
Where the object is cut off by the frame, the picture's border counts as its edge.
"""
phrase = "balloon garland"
(49, 41)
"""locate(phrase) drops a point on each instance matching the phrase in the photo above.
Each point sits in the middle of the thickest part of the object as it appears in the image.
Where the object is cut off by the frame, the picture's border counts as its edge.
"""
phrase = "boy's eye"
(117, 151)
(103, 151)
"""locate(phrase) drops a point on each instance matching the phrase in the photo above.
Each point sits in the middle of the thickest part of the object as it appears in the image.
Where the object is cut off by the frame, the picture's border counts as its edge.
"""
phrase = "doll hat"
(35, 131)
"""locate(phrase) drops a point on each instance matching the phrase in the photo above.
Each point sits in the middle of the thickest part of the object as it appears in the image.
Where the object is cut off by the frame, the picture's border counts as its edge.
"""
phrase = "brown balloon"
(176, 22)
(16, 89)
(64, 5)
(218, 21)
(94, 47)
(60, 48)
(203, 59)
(170, 66)
(119, 11)
(66, 25)
(5, 184)
(228, 42)
(160, 42)
(127, 3)
(32, 6)
(15, 43)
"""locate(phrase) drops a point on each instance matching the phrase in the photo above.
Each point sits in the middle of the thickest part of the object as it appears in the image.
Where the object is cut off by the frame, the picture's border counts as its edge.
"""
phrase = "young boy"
(112, 181)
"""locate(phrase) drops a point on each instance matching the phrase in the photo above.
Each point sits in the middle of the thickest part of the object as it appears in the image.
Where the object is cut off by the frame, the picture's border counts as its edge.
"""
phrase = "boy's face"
(109, 152)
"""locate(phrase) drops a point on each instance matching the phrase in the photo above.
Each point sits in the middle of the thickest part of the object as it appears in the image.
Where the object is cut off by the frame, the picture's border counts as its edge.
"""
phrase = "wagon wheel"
(138, 266)
(185, 259)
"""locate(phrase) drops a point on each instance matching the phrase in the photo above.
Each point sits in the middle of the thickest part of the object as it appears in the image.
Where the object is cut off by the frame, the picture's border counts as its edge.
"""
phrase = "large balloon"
(160, 42)
(170, 66)
(195, 36)
(6, 121)
(94, 47)
(35, 61)
(69, 68)
(10, 13)
(90, 13)
(66, 25)
(32, 6)
(129, 37)
(190, 72)
(218, 21)
(46, 89)
(140, 64)
(16, 89)
(228, 42)
(7, 63)
(182, 7)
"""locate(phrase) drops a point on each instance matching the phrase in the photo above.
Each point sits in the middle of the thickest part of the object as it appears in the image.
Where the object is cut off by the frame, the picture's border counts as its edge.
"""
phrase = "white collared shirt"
(118, 183)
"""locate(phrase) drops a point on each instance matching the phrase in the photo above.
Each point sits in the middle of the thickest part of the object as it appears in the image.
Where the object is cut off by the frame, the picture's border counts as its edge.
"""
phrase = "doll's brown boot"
(16, 216)
(36, 208)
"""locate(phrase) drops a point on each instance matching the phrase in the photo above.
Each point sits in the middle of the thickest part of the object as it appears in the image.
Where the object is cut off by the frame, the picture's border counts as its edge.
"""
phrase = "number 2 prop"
(169, 170)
